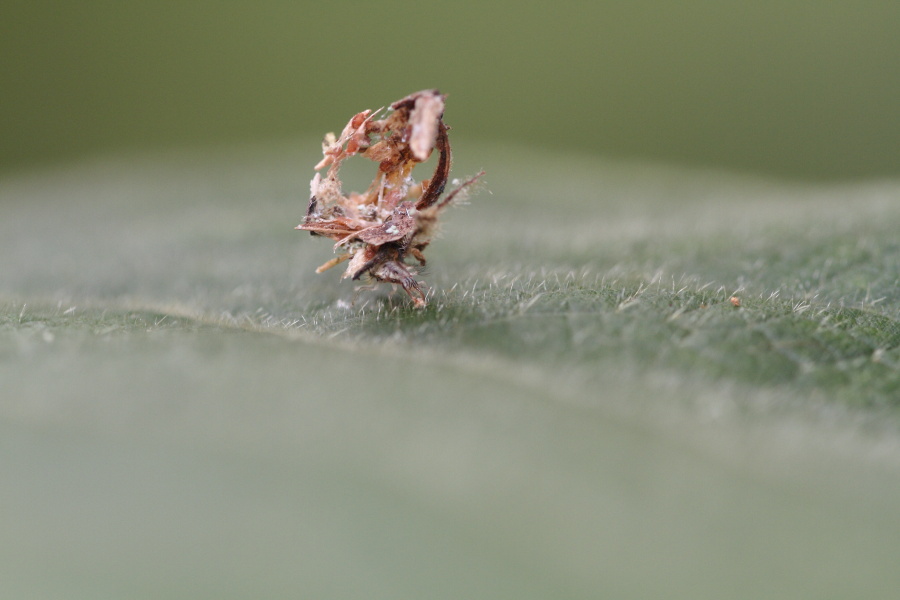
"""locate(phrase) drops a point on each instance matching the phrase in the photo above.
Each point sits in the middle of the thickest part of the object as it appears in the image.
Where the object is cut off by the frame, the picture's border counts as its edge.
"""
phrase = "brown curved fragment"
(441, 172)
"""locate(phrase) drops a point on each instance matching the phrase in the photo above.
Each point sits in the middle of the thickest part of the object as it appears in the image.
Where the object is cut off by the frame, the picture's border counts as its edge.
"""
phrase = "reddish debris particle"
(394, 220)
(735, 301)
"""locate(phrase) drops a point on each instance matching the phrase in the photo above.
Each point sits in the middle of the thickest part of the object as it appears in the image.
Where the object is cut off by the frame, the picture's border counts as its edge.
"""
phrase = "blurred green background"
(188, 411)
(788, 88)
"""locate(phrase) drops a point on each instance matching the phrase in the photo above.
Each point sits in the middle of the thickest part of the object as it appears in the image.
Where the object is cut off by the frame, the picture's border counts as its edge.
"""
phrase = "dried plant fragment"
(381, 230)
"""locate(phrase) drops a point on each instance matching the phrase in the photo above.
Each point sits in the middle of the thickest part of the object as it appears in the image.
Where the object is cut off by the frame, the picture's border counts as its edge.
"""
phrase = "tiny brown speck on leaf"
(394, 220)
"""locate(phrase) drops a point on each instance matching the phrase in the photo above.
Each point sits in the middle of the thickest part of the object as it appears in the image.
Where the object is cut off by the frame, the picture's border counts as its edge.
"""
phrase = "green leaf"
(189, 411)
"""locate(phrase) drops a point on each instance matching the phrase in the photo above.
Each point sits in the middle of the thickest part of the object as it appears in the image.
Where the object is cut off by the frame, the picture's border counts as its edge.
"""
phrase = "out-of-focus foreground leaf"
(188, 411)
